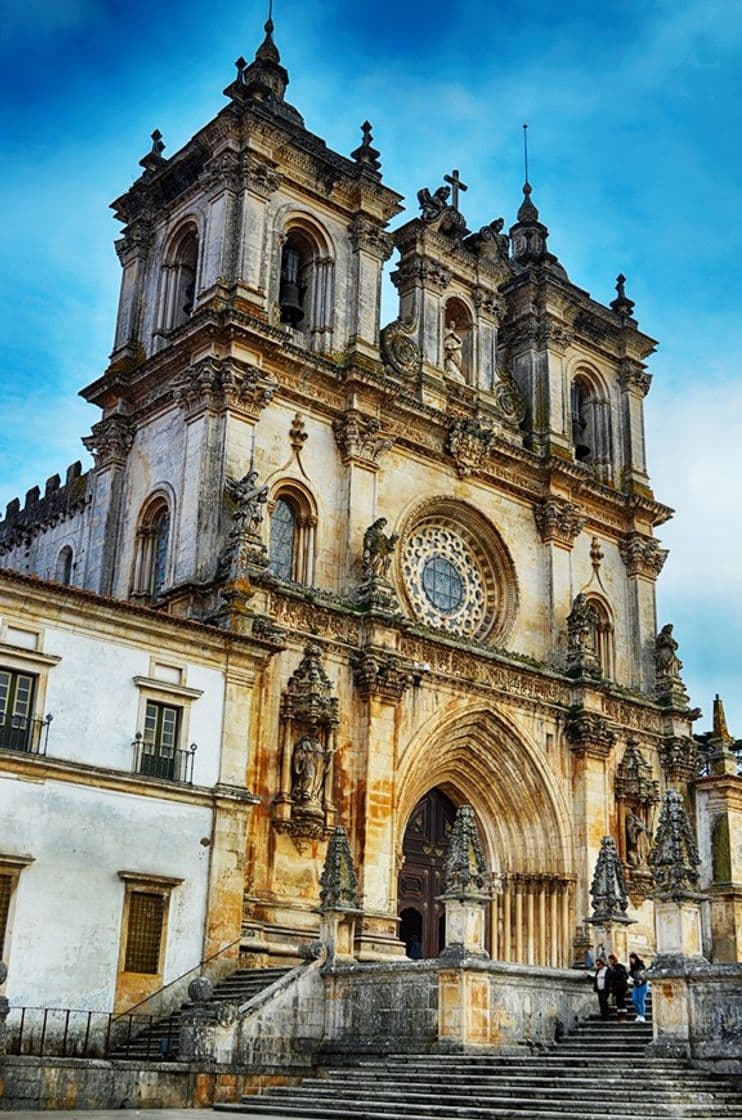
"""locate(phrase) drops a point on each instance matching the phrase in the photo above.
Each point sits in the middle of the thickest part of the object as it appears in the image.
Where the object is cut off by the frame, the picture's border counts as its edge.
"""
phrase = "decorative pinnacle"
(268, 51)
(721, 731)
(527, 211)
(338, 882)
(366, 155)
(154, 157)
(608, 888)
(621, 304)
(464, 869)
(674, 858)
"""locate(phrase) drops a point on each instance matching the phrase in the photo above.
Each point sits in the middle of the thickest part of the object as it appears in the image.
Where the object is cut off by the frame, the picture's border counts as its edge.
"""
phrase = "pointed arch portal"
(474, 756)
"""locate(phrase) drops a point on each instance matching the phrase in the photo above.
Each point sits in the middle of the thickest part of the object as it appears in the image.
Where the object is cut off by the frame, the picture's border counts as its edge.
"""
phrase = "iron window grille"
(19, 730)
(6, 890)
(156, 751)
(144, 932)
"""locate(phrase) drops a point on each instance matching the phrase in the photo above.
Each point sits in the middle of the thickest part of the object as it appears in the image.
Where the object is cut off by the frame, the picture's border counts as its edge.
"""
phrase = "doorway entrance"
(426, 840)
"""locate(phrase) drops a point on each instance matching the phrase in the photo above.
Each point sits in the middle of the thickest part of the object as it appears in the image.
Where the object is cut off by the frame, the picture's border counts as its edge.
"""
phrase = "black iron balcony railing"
(155, 761)
(20, 733)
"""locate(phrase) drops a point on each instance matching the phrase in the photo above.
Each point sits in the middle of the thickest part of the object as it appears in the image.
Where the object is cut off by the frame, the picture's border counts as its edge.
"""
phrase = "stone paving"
(117, 1113)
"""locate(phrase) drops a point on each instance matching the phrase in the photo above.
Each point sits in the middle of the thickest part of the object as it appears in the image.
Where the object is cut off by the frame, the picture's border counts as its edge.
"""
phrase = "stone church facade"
(385, 571)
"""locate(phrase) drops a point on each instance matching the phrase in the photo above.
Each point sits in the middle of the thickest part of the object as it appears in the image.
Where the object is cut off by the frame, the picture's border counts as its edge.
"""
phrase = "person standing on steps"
(619, 981)
(602, 985)
(637, 972)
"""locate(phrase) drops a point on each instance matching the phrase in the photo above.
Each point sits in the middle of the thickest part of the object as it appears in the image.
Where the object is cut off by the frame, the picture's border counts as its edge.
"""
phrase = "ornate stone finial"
(464, 869)
(621, 305)
(670, 688)
(297, 435)
(720, 732)
(527, 211)
(596, 555)
(265, 78)
(608, 888)
(582, 623)
(154, 158)
(338, 882)
(674, 858)
(200, 989)
(366, 156)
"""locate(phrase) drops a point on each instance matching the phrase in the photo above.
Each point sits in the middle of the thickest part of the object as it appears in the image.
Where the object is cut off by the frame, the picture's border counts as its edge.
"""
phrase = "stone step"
(478, 1094)
(676, 1084)
(260, 1107)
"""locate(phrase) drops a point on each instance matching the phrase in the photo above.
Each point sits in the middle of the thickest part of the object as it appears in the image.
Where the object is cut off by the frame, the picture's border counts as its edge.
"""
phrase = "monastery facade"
(325, 571)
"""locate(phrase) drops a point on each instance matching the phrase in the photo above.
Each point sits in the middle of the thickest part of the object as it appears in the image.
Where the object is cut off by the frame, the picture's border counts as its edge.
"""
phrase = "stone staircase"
(601, 1070)
(159, 1041)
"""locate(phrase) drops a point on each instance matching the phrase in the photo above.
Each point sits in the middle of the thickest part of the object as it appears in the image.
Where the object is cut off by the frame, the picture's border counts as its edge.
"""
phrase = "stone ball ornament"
(200, 990)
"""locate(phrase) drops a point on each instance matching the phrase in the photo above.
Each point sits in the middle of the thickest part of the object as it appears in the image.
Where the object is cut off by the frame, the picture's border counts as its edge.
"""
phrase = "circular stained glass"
(442, 584)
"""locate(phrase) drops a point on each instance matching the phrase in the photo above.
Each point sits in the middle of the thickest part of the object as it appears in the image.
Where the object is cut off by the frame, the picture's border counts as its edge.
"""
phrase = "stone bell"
(291, 291)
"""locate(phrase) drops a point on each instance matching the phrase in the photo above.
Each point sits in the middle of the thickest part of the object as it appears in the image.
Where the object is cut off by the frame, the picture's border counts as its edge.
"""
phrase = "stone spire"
(264, 79)
(608, 889)
(463, 872)
(720, 733)
(528, 236)
(674, 858)
(338, 882)
(622, 305)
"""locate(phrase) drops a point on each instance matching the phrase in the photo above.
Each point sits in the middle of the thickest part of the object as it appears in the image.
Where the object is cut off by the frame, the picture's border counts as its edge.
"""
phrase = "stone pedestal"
(464, 928)
(337, 934)
(611, 937)
(678, 929)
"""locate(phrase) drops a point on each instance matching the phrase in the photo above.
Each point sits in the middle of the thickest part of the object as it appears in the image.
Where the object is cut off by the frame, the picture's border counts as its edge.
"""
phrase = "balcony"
(152, 760)
(19, 733)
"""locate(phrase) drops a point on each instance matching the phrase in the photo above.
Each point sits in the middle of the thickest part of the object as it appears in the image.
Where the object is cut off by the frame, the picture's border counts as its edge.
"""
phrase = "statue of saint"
(666, 659)
(452, 353)
(308, 766)
(638, 841)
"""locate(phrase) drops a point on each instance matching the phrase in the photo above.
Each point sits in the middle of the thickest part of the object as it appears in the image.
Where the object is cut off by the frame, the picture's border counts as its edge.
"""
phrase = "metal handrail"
(179, 979)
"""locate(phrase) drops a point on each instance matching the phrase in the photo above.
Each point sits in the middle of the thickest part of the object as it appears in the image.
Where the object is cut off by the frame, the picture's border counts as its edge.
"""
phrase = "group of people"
(612, 979)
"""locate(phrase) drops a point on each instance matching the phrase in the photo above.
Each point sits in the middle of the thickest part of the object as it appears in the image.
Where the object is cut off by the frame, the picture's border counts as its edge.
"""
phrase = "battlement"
(58, 503)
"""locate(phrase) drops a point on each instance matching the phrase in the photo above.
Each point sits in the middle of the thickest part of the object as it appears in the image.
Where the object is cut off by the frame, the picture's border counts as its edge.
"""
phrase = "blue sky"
(634, 122)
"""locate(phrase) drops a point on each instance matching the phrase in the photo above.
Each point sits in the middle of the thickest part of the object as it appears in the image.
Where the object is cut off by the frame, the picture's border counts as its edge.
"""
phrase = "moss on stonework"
(721, 856)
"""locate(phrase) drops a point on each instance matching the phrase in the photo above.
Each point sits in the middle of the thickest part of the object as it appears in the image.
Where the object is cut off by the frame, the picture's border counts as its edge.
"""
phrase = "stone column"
(559, 524)
(110, 442)
(644, 560)
(591, 741)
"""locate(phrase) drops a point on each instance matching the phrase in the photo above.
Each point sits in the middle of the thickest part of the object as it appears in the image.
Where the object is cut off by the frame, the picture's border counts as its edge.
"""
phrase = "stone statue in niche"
(309, 766)
(452, 354)
(638, 842)
(378, 549)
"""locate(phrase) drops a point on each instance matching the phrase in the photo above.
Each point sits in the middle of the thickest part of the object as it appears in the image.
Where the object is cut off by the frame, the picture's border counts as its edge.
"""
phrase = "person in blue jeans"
(637, 972)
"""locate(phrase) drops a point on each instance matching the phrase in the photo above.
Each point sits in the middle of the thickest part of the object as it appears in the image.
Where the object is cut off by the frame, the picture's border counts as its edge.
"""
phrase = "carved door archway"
(425, 846)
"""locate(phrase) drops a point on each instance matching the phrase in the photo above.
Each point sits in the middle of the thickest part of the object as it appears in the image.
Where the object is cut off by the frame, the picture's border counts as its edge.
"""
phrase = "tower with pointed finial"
(267, 445)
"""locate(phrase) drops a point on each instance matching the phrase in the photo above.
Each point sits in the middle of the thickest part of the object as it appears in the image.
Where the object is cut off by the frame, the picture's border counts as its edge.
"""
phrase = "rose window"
(455, 571)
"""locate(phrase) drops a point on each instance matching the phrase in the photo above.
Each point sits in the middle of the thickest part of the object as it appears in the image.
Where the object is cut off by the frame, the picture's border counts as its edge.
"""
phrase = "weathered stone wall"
(698, 1012)
(66, 1083)
(382, 1007)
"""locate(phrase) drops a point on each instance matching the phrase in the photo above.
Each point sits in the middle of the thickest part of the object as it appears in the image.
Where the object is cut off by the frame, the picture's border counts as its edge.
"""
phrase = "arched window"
(178, 289)
(282, 545)
(152, 550)
(591, 427)
(603, 637)
(305, 287)
(458, 341)
(63, 569)
(291, 537)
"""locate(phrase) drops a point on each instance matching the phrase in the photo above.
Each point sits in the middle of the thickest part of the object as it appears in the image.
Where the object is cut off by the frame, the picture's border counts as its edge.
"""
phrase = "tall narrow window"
(63, 570)
(178, 287)
(158, 746)
(580, 434)
(282, 543)
(144, 932)
(591, 427)
(162, 536)
(152, 550)
(305, 286)
(6, 890)
(16, 709)
(603, 638)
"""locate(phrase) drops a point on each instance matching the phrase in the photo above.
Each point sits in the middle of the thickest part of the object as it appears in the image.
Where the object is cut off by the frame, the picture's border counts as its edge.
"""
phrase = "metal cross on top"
(455, 180)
